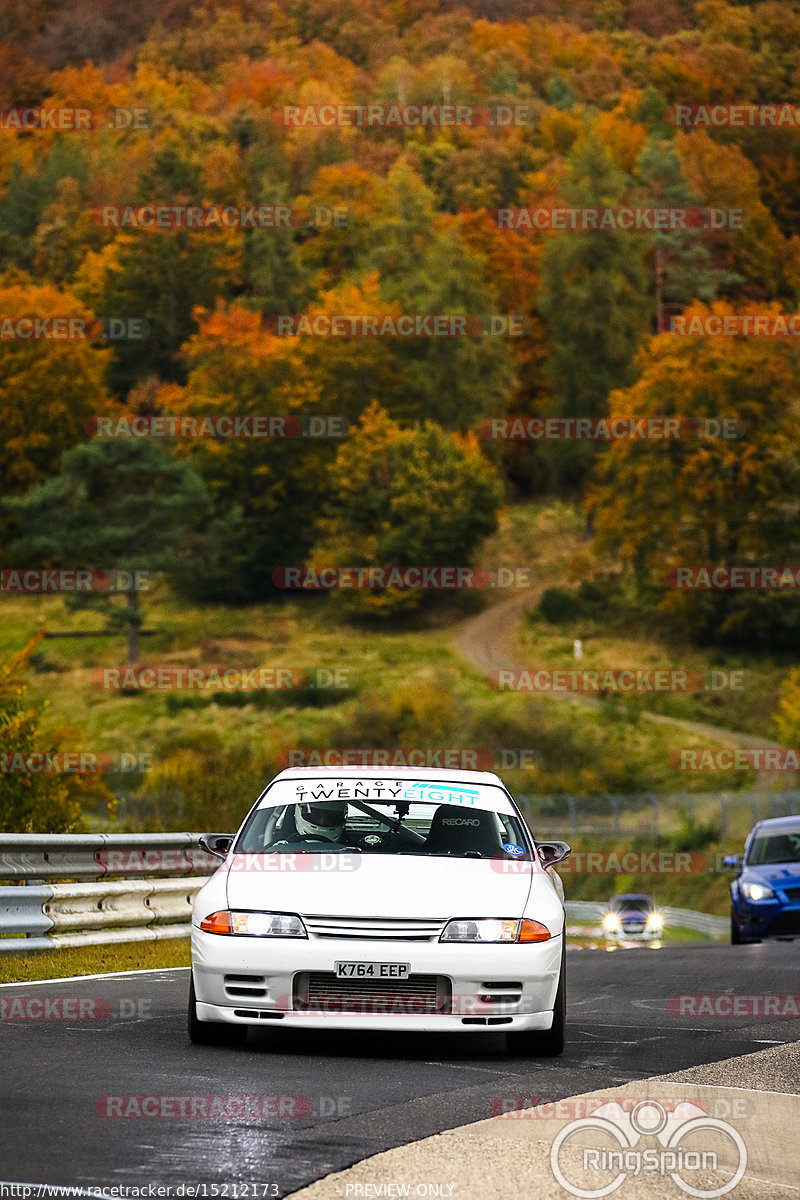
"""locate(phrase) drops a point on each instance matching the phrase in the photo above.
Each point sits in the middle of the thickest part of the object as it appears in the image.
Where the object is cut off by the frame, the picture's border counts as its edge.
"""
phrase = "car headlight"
(494, 929)
(611, 923)
(757, 891)
(655, 921)
(254, 924)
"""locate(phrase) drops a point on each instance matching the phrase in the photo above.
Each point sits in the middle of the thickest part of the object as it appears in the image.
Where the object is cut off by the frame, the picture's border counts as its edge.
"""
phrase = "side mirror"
(733, 861)
(551, 853)
(217, 844)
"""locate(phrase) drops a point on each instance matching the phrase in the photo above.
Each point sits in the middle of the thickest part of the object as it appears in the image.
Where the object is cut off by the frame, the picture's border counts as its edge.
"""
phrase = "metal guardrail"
(91, 914)
(683, 918)
(97, 906)
(39, 856)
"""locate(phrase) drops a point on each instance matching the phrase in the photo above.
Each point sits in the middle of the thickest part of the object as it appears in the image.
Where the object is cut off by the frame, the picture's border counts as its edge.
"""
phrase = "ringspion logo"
(615, 1155)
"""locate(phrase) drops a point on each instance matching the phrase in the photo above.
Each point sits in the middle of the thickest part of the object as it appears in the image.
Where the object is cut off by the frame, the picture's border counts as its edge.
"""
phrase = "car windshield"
(640, 903)
(775, 848)
(384, 827)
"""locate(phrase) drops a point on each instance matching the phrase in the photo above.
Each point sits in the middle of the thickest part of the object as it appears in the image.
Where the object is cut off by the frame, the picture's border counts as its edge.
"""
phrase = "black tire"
(546, 1043)
(210, 1033)
(736, 933)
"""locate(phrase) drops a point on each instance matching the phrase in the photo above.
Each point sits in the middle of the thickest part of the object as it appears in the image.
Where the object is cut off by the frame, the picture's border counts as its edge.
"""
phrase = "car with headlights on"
(765, 895)
(382, 899)
(633, 915)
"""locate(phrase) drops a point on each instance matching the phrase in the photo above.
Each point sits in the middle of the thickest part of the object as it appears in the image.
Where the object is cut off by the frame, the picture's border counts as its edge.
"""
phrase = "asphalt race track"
(361, 1093)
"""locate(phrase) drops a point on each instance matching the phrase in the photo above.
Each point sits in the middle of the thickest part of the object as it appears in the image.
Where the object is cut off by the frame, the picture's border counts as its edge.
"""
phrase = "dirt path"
(488, 642)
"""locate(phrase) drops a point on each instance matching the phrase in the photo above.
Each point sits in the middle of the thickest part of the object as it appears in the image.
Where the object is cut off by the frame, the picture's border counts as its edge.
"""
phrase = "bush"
(36, 802)
(558, 606)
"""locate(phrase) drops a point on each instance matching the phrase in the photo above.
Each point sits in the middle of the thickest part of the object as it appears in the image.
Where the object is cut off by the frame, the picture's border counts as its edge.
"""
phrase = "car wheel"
(547, 1043)
(210, 1033)
(736, 933)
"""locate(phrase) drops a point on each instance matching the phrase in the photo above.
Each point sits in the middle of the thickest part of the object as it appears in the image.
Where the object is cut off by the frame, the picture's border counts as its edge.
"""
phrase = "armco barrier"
(85, 914)
(684, 918)
(25, 856)
(37, 915)
(40, 915)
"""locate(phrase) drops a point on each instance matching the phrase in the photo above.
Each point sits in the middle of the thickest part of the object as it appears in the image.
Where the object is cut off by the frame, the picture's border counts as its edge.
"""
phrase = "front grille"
(791, 893)
(786, 922)
(379, 929)
(419, 995)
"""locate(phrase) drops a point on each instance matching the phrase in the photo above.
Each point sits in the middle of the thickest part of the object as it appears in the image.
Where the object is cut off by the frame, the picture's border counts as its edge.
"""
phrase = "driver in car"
(320, 822)
(310, 822)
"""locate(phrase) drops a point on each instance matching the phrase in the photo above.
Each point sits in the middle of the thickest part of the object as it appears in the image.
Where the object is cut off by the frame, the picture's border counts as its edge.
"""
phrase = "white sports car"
(360, 898)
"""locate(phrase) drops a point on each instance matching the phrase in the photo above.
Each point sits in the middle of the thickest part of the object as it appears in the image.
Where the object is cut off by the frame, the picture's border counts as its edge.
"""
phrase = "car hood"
(391, 886)
(775, 874)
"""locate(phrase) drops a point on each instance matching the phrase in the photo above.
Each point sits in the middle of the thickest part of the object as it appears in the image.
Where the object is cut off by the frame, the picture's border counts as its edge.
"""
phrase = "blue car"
(765, 896)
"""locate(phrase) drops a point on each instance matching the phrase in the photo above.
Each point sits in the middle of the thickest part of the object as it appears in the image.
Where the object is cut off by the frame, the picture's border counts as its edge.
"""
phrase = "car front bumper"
(633, 935)
(479, 981)
(768, 918)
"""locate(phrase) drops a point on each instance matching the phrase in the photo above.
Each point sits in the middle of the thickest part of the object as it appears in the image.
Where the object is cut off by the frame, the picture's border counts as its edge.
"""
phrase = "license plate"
(371, 970)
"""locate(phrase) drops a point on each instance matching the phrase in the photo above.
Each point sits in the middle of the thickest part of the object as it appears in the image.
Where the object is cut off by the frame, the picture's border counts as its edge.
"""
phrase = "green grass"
(94, 960)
